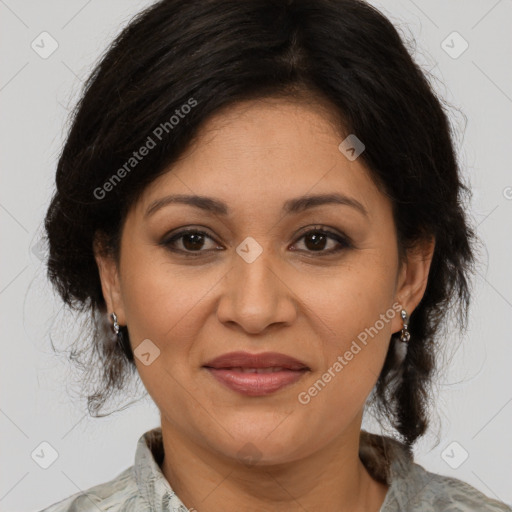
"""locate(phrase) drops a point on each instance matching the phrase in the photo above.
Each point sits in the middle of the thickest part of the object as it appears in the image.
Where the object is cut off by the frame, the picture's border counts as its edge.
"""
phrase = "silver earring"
(122, 340)
(405, 335)
(116, 325)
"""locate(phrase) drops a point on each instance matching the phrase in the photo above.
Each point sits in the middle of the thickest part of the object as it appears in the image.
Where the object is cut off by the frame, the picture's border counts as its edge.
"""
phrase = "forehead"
(266, 152)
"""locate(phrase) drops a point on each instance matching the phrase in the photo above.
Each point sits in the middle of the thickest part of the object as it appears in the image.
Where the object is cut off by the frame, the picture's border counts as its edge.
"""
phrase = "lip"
(262, 360)
(256, 374)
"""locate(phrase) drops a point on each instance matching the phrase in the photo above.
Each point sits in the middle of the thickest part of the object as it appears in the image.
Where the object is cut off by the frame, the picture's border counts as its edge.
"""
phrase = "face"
(261, 270)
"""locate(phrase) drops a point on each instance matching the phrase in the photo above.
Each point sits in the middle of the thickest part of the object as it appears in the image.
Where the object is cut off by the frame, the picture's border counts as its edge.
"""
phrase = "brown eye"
(316, 240)
(191, 240)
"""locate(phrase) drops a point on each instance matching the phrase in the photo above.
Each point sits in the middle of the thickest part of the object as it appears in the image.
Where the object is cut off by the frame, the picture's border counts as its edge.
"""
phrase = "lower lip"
(256, 384)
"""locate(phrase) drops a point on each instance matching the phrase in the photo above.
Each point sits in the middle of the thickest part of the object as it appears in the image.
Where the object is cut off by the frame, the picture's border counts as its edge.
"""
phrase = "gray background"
(36, 94)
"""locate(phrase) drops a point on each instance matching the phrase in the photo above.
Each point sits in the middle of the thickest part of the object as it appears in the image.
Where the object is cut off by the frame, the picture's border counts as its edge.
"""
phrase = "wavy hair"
(219, 52)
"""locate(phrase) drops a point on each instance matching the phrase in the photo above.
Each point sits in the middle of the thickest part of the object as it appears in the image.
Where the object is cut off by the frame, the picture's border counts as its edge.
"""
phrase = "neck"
(331, 479)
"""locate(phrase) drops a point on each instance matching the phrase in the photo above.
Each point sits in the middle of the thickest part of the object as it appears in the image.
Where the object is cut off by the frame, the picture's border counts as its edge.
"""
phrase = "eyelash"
(342, 240)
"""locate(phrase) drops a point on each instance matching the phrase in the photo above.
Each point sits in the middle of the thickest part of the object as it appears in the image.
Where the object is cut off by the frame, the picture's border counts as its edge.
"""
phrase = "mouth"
(263, 360)
(271, 369)
(256, 374)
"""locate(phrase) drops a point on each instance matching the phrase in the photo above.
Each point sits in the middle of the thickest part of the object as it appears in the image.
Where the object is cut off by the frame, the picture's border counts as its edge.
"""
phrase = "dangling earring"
(405, 335)
(121, 339)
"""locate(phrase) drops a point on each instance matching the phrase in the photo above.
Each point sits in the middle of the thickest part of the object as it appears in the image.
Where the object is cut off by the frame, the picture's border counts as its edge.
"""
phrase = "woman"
(261, 200)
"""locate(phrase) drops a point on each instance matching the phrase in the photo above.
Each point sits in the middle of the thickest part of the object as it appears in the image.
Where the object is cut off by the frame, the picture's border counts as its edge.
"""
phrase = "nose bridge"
(255, 296)
(255, 275)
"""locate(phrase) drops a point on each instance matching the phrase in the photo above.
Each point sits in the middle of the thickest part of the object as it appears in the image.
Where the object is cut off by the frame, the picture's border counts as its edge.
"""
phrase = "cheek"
(349, 299)
(165, 303)
(337, 392)
(167, 307)
(355, 312)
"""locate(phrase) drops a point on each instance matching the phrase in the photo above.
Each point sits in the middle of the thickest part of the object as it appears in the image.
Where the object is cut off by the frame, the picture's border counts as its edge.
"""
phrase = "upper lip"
(262, 360)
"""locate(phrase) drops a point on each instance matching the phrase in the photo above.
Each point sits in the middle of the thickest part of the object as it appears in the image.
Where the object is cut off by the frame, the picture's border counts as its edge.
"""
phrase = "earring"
(121, 339)
(405, 335)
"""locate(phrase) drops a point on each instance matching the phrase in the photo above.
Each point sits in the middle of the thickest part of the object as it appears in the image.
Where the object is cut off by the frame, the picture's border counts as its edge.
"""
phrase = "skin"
(194, 306)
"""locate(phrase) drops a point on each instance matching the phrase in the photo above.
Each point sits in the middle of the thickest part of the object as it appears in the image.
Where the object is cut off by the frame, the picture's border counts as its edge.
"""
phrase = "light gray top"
(143, 487)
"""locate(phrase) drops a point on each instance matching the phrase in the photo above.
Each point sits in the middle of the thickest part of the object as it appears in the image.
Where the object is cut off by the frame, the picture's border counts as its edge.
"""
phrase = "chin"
(260, 448)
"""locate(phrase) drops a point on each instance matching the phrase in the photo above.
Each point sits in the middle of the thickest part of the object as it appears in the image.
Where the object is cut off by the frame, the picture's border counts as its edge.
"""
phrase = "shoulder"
(412, 488)
(434, 492)
(139, 488)
(119, 494)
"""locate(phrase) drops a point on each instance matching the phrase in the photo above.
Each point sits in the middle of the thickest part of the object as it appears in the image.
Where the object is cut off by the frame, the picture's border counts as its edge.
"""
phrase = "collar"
(385, 458)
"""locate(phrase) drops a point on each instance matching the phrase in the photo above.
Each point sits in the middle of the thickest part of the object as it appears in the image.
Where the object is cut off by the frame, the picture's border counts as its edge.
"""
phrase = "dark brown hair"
(219, 52)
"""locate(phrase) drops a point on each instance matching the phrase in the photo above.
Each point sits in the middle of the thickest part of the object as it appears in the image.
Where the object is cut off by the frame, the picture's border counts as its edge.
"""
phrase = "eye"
(190, 240)
(316, 239)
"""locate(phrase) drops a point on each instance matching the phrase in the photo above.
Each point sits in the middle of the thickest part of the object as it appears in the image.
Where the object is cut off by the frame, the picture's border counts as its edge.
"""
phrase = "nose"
(256, 295)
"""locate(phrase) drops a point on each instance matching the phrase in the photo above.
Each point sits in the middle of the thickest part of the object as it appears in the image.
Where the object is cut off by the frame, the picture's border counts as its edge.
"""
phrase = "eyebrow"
(296, 205)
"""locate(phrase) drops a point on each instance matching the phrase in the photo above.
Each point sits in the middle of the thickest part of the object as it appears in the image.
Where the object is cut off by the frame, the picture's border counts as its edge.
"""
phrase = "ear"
(109, 277)
(412, 279)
